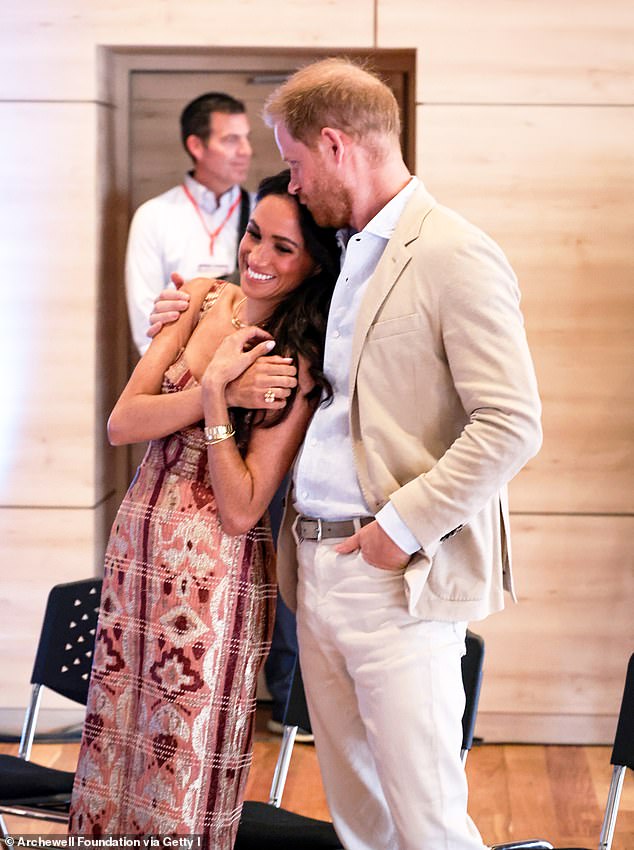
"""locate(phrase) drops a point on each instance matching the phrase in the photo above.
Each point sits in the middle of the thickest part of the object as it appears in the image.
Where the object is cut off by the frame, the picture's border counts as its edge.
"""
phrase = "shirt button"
(313, 442)
(305, 494)
(336, 334)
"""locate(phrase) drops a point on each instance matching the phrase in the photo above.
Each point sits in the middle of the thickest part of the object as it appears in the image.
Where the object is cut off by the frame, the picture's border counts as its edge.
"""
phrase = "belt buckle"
(319, 529)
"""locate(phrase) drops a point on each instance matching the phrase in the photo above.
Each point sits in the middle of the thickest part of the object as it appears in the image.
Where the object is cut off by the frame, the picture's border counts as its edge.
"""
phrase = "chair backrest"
(64, 654)
(623, 750)
(472, 665)
(472, 668)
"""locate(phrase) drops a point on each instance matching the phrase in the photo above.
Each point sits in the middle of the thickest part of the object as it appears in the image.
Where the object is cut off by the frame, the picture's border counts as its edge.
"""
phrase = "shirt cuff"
(391, 523)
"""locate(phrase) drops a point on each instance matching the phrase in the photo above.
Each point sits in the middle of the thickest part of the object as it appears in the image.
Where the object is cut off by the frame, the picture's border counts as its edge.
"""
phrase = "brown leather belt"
(309, 528)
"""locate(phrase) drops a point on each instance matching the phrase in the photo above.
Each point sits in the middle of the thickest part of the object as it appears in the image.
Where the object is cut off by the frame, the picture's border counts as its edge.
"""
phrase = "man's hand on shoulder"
(249, 389)
(168, 305)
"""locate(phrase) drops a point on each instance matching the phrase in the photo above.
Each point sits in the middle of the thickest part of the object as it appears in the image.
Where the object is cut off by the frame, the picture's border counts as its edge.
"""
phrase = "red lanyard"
(211, 233)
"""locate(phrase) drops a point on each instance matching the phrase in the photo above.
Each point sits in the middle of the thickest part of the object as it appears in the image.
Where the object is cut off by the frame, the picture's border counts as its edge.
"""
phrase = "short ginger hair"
(337, 93)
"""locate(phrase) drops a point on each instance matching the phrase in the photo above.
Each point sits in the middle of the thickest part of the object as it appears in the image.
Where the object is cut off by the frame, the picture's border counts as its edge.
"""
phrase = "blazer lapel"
(394, 259)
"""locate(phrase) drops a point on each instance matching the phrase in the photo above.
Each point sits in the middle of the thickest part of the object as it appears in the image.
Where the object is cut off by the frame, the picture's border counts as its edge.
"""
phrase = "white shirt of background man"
(167, 235)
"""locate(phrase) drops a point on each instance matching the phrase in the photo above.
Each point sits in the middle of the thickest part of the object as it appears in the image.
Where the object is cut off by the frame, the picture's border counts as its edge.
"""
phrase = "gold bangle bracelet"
(218, 433)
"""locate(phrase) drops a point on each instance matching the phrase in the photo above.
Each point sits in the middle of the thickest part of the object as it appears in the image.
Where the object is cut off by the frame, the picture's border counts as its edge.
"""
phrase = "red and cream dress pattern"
(185, 625)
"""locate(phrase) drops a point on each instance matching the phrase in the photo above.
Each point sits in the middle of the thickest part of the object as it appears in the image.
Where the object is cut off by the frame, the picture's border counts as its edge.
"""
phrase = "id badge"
(212, 270)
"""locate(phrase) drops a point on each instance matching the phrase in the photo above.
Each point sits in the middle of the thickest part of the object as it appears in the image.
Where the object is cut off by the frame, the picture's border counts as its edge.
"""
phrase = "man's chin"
(240, 174)
(326, 218)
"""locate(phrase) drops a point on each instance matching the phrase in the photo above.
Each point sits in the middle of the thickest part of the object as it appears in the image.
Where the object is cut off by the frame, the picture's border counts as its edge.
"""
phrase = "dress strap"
(215, 291)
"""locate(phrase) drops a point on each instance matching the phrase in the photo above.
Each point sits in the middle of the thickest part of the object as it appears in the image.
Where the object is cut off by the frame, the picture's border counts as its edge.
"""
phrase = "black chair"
(62, 663)
(622, 758)
(266, 826)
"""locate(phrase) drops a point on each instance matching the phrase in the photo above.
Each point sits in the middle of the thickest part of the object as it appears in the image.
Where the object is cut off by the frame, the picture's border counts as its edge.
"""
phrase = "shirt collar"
(384, 222)
(206, 199)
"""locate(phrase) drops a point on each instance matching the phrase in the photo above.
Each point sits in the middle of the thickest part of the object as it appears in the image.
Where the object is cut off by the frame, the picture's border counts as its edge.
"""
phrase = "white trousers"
(385, 695)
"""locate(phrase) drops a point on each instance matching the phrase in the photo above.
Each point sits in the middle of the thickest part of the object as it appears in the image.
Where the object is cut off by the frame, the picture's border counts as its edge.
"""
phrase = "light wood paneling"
(47, 327)
(511, 51)
(555, 663)
(40, 548)
(54, 45)
(554, 187)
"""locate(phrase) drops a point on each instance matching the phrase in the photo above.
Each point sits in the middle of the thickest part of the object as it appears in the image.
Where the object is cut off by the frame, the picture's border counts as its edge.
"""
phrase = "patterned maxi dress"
(186, 614)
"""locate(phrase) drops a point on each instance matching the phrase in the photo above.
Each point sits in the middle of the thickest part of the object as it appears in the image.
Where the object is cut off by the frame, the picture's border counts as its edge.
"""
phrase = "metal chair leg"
(281, 768)
(612, 807)
(30, 719)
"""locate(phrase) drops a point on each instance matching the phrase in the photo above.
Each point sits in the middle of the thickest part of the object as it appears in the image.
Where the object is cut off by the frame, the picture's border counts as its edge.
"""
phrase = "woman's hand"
(231, 360)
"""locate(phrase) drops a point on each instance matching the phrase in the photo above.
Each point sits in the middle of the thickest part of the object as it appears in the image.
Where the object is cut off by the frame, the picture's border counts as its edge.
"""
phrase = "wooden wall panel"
(555, 663)
(54, 45)
(40, 548)
(48, 222)
(511, 51)
(554, 187)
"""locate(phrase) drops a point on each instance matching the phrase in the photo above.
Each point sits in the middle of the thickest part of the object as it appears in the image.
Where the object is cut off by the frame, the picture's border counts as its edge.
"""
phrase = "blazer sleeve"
(486, 351)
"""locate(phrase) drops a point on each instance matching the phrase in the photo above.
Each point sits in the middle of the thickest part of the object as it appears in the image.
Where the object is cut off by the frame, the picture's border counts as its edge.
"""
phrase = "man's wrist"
(392, 524)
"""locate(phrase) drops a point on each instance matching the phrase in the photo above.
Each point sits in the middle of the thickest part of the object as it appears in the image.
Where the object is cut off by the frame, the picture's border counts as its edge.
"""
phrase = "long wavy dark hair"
(298, 323)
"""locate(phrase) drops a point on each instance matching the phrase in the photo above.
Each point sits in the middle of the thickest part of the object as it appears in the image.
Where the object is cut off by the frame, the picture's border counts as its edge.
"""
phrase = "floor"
(516, 791)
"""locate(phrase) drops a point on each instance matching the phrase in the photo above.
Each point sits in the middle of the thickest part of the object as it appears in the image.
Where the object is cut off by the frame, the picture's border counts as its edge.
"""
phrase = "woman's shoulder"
(205, 293)
(204, 285)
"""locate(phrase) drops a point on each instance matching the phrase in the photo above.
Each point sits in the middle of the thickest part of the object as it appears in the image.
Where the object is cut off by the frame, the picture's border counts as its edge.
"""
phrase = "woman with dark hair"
(188, 594)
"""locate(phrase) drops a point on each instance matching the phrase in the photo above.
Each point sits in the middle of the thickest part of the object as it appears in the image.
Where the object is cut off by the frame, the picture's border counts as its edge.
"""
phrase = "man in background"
(398, 508)
(193, 229)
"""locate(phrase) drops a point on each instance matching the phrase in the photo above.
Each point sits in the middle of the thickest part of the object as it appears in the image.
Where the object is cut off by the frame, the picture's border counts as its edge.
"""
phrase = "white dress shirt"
(326, 484)
(167, 235)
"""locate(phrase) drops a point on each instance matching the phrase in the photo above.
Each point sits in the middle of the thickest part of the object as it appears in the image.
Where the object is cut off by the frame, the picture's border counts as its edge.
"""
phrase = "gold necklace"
(235, 321)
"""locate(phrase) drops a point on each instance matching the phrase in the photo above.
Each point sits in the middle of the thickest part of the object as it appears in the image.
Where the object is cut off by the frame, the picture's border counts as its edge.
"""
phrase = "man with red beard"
(396, 530)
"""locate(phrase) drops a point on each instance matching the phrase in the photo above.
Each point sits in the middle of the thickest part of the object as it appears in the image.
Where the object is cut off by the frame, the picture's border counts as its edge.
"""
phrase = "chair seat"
(24, 781)
(265, 827)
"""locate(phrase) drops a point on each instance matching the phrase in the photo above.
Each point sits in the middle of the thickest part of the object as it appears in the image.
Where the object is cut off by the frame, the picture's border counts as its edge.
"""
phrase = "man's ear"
(195, 146)
(333, 143)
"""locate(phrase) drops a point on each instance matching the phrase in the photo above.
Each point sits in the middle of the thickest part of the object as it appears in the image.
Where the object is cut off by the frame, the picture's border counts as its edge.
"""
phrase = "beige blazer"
(444, 411)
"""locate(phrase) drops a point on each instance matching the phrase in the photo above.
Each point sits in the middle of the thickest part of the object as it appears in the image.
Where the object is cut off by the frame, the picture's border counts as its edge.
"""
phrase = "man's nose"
(245, 148)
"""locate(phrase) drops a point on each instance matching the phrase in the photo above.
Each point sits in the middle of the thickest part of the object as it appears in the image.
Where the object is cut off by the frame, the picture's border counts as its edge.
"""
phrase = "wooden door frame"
(116, 67)
(118, 63)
